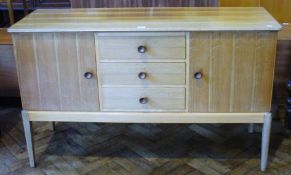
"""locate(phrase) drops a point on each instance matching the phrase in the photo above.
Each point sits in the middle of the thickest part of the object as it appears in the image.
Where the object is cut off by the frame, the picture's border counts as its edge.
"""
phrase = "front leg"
(27, 125)
(265, 140)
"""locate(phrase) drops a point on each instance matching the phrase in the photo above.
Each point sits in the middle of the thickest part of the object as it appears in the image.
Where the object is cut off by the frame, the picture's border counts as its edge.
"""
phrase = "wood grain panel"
(87, 60)
(47, 70)
(148, 20)
(69, 72)
(239, 3)
(51, 68)
(124, 74)
(26, 64)
(264, 70)
(159, 99)
(124, 46)
(280, 9)
(142, 3)
(220, 64)
(5, 37)
(237, 69)
(244, 64)
(200, 54)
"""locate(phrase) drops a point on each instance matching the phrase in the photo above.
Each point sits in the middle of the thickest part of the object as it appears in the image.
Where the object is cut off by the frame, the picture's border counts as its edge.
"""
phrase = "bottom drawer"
(143, 99)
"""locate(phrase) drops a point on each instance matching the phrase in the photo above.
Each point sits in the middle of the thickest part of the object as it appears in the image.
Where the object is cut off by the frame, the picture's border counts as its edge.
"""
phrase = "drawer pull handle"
(141, 49)
(143, 100)
(88, 75)
(142, 75)
(198, 75)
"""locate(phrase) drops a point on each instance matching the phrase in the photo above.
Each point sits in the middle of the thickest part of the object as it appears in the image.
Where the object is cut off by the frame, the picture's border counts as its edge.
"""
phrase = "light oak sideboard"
(147, 65)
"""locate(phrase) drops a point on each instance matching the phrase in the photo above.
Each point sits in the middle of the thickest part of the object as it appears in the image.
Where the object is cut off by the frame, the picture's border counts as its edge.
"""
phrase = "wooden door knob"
(88, 75)
(198, 75)
(142, 75)
(141, 49)
(143, 100)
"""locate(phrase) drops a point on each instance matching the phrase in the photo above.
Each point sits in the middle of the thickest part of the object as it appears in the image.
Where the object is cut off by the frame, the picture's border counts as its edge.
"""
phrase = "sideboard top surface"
(148, 19)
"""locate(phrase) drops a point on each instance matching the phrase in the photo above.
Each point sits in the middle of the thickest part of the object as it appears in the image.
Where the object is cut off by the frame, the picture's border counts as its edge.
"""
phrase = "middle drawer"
(142, 74)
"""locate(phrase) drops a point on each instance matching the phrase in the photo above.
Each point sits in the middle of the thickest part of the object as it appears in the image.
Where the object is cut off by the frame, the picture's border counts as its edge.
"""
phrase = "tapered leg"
(251, 128)
(28, 137)
(266, 140)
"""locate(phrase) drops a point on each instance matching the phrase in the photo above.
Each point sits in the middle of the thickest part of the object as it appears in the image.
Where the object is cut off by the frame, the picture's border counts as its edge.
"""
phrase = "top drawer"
(141, 47)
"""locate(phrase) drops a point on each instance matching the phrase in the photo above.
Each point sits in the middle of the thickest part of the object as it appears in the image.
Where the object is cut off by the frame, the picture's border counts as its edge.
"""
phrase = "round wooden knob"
(142, 75)
(143, 100)
(88, 75)
(141, 49)
(198, 75)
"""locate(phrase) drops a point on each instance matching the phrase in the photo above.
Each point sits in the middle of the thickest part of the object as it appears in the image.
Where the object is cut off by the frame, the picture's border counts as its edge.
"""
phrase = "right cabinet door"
(231, 71)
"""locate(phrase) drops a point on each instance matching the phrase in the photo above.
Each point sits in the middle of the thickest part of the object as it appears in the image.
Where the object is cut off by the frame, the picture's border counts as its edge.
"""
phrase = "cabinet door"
(237, 71)
(51, 68)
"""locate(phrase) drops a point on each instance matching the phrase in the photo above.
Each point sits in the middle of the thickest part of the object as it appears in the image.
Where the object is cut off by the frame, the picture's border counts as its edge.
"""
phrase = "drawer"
(142, 74)
(142, 46)
(143, 99)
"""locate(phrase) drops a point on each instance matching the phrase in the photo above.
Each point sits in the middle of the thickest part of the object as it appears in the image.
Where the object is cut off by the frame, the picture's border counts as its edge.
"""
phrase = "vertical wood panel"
(51, 68)
(87, 55)
(47, 71)
(27, 74)
(221, 65)
(265, 63)
(199, 62)
(68, 70)
(280, 9)
(238, 70)
(244, 58)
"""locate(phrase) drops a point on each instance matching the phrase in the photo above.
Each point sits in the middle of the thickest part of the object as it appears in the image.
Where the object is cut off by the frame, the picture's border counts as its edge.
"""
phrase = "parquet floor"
(122, 149)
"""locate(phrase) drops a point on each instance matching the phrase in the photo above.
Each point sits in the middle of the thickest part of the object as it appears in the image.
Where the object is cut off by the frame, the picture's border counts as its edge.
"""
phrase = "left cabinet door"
(57, 71)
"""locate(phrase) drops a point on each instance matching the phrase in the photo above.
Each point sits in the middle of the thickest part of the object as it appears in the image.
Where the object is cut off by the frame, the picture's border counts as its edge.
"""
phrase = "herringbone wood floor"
(93, 148)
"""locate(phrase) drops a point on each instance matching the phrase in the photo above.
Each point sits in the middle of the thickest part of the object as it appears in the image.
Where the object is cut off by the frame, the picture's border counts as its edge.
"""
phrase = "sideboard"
(147, 65)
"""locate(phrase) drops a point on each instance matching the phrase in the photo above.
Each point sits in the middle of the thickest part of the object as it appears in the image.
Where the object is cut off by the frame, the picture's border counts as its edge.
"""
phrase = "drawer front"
(143, 99)
(142, 47)
(142, 74)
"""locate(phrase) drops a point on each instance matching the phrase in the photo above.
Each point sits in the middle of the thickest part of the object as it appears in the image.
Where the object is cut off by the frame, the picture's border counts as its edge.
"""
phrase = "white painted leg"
(251, 128)
(265, 140)
(27, 125)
